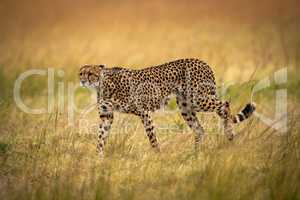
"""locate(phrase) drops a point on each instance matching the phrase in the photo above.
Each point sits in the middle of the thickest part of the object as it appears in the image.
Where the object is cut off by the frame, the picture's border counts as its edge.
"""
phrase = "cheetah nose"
(82, 83)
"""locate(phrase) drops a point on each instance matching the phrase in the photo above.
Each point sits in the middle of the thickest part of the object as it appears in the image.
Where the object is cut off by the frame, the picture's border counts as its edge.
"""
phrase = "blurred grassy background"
(41, 157)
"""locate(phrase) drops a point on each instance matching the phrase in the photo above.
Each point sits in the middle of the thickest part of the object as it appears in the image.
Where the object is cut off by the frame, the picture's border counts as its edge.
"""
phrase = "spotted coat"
(143, 91)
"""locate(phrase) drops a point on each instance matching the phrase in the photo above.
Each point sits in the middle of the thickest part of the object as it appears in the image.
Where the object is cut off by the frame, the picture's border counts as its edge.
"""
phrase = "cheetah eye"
(90, 74)
(80, 74)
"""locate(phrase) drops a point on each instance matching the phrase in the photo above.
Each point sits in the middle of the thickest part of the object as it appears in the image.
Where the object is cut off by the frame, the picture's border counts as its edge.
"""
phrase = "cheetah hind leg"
(192, 121)
(213, 104)
(224, 112)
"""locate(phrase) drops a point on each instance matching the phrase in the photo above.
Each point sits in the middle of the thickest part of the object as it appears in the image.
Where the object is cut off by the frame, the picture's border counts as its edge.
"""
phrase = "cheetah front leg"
(106, 116)
(148, 125)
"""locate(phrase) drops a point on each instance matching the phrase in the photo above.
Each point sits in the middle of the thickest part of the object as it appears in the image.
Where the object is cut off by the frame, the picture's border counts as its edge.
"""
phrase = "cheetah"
(142, 91)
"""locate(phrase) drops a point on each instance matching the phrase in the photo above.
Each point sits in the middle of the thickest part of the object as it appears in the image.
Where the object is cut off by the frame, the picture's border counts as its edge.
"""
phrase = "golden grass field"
(43, 156)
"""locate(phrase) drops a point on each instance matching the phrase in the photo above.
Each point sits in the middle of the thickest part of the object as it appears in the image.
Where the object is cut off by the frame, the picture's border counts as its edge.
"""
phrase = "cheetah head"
(90, 75)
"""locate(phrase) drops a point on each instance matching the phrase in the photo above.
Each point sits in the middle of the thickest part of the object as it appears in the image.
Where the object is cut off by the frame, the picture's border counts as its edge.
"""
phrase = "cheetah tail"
(245, 113)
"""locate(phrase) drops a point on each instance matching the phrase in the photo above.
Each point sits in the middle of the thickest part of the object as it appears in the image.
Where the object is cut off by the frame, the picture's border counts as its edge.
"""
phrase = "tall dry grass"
(42, 157)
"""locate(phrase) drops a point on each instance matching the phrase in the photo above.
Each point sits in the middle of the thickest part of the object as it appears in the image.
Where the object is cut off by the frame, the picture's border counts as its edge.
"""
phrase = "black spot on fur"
(184, 114)
(149, 129)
